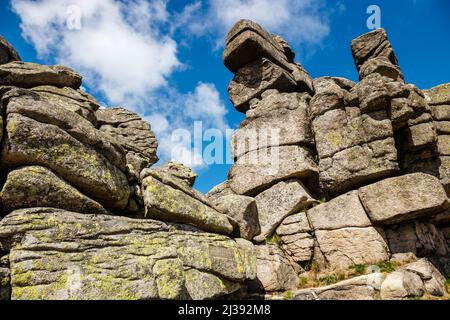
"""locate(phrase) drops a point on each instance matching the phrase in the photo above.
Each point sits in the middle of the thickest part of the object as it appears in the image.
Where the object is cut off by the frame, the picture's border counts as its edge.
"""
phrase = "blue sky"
(163, 58)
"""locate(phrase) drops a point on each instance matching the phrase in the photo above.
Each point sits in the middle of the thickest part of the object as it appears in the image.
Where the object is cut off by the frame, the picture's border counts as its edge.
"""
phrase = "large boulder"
(371, 45)
(346, 247)
(167, 203)
(29, 142)
(61, 108)
(278, 202)
(58, 254)
(220, 190)
(403, 198)
(341, 212)
(28, 75)
(260, 169)
(36, 186)
(401, 285)
(7, 52)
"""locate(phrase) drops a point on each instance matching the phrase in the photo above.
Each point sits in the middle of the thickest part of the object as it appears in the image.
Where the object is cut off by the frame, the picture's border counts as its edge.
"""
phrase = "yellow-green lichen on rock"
(58, 254)
(169, 204)
(30, 142)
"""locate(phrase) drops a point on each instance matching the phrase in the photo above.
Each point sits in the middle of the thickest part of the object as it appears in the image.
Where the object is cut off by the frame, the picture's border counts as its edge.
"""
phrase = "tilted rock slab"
(403, 198)
(372, 45)
(167, 203)
(56, 110)
(36, 186)
(278, 202)
(28, 75)
(7, 52)
(56, 254)
(29, 142)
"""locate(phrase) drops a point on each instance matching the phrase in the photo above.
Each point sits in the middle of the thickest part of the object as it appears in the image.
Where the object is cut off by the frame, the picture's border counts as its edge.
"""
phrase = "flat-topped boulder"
(403, 198)
(28, 75)
(247, 41)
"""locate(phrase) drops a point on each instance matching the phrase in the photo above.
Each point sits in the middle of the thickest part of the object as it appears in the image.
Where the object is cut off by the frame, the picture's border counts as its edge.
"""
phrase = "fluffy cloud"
(124, 55)
(300, 21)
(117, 47)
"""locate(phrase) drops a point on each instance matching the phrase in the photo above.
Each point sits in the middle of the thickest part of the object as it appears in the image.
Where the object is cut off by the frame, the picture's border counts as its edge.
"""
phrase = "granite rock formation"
(339, 189)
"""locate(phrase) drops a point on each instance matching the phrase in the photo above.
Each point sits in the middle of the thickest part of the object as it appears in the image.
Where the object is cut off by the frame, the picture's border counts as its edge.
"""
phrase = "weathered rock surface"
(341, 212)
(164, 202)
(179, 171)
(247, 41)
(29, 142)
(274, 270)
(244, 211)
(433, 280)
(253, 79)
(7, 52)
(400, 285)
(364, 287)
(278, 202)
(104, 257)
(260, 169)
(278, 119)
(5, 278)
(420, 238)
(133, 134)
(28, 75)
(439, 95)
(55, 109)
(36, 186)
(372, 45)
(221, 190)
(406, 197)
(346, 247)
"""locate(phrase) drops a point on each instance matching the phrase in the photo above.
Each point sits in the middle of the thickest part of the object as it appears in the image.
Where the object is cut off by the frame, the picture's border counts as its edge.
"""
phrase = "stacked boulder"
(369, 151)
(275, 159)
(82, 214)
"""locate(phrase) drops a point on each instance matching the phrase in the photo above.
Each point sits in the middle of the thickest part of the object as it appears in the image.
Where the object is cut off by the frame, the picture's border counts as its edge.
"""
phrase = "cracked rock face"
(102, 257)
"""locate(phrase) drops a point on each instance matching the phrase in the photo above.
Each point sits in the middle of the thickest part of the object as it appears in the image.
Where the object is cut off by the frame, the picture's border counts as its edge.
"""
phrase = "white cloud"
(123, 53)
(118, 47)
(299, 21)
